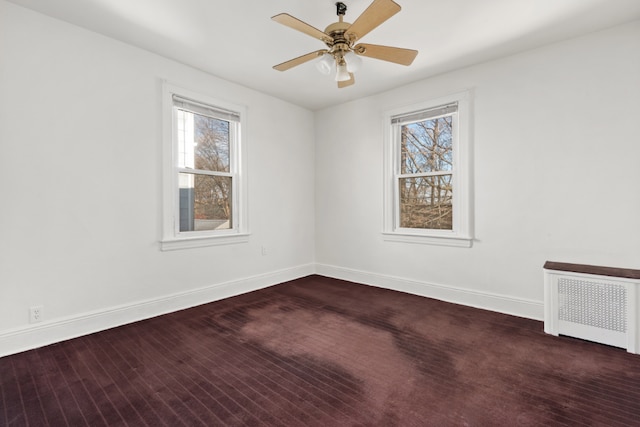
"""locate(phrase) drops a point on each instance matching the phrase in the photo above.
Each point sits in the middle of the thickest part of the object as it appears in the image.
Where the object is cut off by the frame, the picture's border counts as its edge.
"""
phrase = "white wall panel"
(556, 173)
(80, 177)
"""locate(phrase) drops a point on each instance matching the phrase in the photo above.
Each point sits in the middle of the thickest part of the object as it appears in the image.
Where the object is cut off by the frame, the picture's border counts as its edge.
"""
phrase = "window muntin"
(204, 189)
(427, 172)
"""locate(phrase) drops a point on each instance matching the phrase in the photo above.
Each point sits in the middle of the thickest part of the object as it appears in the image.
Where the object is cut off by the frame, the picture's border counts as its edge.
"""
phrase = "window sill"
(202, 241)
(455, 241)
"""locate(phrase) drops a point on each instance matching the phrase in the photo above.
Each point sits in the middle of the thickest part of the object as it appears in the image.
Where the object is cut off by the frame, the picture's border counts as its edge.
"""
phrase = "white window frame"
(172, 237)
(461, 234)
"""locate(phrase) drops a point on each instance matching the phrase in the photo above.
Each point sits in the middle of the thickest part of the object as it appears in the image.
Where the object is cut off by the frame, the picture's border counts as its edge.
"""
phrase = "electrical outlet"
(35, 314)
(264, 250)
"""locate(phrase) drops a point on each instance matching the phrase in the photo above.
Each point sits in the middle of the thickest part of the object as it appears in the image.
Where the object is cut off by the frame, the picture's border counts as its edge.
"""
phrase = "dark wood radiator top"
(627, 273)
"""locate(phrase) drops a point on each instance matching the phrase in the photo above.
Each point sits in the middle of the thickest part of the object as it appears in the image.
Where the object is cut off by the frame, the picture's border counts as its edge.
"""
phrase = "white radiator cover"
(597, 308)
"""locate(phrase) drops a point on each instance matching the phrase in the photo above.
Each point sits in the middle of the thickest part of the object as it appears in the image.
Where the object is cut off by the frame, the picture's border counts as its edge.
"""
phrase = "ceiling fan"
(342, 54)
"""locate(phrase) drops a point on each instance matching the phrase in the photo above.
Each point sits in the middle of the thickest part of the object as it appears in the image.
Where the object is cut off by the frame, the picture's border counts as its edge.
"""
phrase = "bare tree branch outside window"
(213, 193)
(426, 170)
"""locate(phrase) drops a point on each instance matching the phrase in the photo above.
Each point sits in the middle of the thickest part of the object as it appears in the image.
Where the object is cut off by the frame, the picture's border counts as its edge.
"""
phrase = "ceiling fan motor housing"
(339, 42)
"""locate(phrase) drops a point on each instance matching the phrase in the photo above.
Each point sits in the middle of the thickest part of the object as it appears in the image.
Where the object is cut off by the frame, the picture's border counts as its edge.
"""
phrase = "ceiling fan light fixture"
(342, 75)
(354, 62)
(325, 64)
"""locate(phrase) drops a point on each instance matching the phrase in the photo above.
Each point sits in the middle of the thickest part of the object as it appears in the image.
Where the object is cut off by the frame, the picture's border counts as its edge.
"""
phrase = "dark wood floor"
(323, 352)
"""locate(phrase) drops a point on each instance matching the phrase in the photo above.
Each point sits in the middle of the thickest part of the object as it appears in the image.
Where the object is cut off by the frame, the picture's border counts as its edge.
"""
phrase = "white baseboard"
(41, 334)
(494, 302)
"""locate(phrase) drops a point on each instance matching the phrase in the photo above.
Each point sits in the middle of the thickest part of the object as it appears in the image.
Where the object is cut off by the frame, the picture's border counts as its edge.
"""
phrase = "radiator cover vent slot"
(603, 305)
(593, 303)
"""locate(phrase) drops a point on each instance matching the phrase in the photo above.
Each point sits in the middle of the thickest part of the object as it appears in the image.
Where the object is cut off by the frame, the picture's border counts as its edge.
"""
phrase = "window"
(204, 186)
(427, 172)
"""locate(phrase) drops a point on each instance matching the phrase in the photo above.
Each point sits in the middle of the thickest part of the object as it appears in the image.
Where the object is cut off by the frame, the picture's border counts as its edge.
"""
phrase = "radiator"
(593, 303)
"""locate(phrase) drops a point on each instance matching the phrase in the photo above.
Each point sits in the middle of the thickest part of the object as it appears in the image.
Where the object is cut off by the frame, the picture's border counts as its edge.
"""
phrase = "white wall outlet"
(264, 250)
(35, 314)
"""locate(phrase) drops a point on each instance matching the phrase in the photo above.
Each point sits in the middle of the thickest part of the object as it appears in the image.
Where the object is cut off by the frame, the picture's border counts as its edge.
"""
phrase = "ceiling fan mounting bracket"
(341, 8)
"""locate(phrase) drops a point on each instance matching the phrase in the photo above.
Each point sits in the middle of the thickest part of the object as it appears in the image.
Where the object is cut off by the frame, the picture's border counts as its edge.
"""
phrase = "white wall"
(555, 172)
(556, 176)
(80, 181)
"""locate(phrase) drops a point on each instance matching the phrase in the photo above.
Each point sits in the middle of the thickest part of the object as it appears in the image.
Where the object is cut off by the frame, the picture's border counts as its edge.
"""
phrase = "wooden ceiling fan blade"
(386, 53)
(303, 27)
(377, 12)
(349, 82)
(299, 60)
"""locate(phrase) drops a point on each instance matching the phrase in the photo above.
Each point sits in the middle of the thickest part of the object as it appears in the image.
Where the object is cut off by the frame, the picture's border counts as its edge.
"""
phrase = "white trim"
(462, 233)
(172, 239)
(439, 240)
(41, 334)
(202, 241)
(506, 304)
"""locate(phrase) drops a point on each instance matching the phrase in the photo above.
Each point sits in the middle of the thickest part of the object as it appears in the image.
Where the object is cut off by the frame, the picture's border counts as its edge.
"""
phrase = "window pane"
(203, 142)
(425, 202)
(426, 146)
(205, 202)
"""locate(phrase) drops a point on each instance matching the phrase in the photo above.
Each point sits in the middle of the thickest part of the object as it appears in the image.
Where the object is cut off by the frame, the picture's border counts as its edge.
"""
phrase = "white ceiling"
(237, 41)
